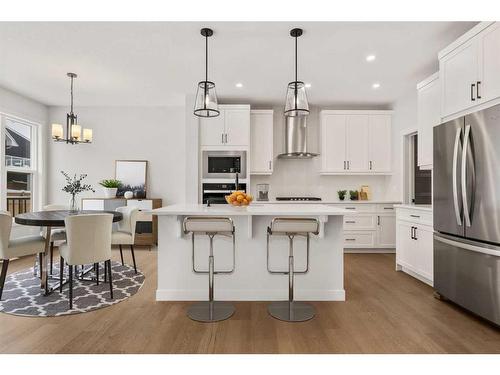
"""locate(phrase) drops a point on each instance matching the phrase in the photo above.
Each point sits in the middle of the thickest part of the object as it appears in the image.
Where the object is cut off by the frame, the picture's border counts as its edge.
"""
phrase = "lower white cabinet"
(414, 243)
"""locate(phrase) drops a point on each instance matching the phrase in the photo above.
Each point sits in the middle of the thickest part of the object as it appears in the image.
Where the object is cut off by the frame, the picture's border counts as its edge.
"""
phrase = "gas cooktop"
(298, 199)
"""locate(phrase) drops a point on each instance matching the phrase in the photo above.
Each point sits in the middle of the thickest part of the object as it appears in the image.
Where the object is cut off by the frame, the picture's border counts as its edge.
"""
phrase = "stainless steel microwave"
(224, 164)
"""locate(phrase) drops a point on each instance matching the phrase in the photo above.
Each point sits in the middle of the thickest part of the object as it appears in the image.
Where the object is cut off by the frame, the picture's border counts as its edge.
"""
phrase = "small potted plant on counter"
(342, 194)
(353, 195)
(110, 187)
(74, 186)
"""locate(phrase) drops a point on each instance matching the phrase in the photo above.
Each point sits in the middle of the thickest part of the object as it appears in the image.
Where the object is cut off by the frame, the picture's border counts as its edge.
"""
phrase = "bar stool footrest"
(291, 311)
(207, 312)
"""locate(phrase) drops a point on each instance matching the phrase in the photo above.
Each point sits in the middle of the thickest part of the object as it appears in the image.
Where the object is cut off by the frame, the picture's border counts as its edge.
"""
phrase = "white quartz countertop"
(421, 207)
(255, 209)
(347, 201)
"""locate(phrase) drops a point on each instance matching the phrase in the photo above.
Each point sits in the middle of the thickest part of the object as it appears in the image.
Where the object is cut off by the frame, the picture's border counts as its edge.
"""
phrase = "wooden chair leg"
(3, 275)
(70, 286)
(61, 273)
(110, 279)
(51, 256)
(133, 257)
(121, 254)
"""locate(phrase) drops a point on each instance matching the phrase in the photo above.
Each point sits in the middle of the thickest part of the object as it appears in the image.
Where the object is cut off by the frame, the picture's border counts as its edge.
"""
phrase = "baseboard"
(369, 251)
(250, 295)
(416, 275)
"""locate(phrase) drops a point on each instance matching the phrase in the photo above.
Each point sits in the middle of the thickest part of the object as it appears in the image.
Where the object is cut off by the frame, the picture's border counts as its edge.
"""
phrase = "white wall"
(156, 134)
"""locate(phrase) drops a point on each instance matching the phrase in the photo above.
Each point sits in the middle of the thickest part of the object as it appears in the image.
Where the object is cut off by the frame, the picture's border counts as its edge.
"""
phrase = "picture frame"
(132, 175)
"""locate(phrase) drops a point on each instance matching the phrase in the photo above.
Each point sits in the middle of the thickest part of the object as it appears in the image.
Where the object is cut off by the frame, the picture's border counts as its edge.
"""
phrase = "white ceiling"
(157, 63)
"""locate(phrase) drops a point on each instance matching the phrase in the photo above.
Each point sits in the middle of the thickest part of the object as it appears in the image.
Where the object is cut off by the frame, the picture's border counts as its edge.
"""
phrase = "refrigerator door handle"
(464, 175)
(454, 173)
(484, 249)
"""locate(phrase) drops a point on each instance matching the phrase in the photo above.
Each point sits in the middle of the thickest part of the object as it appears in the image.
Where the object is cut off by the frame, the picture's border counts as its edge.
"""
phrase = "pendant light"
(296, 98)
(73, 129)
(206, 97)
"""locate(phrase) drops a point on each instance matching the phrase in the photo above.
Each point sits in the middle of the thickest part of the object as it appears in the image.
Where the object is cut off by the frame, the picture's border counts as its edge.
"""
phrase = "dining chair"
(9, 249)
(125, 235)
(56, 234)
(88, 241)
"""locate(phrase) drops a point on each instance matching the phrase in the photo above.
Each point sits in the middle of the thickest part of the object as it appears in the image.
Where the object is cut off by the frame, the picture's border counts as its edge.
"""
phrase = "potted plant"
(342, 194)
(353, 194)
(110, 187)
(74, 186)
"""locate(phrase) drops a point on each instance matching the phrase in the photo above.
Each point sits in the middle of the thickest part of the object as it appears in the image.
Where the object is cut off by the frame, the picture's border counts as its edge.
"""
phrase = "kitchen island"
(250, 280)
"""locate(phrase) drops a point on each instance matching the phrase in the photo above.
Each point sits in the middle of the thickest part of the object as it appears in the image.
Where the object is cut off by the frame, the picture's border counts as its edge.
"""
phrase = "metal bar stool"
(291, 311)
(210, 311)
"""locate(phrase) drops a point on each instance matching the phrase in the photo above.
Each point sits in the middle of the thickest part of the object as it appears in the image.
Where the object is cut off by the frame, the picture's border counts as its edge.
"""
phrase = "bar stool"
(210, 311)
(291, 310)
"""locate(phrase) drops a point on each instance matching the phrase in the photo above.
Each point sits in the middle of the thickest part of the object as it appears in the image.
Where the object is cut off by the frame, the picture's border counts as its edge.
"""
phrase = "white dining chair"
(88, 241)
(125, 235)
(56, 234)
(9, 249)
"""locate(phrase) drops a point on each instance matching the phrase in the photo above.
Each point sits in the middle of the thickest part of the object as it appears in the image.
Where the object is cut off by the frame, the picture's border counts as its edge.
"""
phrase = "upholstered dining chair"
(88, 241)
(9, 249)
(56, 234)
(125, 235)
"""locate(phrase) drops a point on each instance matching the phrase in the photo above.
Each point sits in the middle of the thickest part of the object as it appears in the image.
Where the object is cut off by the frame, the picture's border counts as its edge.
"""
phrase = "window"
(19, 172)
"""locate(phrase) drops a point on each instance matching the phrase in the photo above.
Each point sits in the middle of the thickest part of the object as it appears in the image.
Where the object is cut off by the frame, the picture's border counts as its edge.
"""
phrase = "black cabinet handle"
(472, 86)
(411, 233)
(415, 233)
(378, 219)
(350, 208)
(344, 166)
(350, 239)
(477, 89)
(416, 216)
(350, 222)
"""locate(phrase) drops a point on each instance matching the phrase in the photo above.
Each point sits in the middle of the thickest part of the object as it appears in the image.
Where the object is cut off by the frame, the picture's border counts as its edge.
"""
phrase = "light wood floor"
(385, 312)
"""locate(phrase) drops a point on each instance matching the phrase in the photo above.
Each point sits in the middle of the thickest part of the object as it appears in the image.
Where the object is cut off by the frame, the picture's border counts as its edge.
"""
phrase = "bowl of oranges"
(239, 198)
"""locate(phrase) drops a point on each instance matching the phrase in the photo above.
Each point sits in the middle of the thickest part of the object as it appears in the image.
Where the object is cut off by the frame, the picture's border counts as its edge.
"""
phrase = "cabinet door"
(386, 231)
(428, 116)
(490, 79)
(237, 125)
(261, 142)
(459, 70)
(379, 140)
(357, 143)
(424, 262)
(333, 143)
(405, 254)
(212, 130)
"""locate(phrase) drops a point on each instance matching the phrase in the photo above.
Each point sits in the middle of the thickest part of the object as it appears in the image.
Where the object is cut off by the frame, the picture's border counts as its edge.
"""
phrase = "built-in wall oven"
(217, 192)
(224, 164)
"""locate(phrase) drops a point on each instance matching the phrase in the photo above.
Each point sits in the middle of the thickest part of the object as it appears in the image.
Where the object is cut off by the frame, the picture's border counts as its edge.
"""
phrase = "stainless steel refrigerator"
(466, 200)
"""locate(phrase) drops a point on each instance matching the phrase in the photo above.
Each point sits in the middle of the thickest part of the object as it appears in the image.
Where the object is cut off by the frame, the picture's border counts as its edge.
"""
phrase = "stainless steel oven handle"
(464, 175)
(454, 173)
(217, 191)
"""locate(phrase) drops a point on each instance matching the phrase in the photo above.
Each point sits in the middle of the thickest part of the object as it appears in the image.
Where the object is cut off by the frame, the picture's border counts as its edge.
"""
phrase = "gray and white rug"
(22, 295)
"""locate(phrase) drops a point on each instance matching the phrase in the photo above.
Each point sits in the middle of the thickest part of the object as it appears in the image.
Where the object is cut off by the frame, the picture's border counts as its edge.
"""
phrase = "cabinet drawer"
(359, 207)
(360, 222)
(141, 204)
(415, 216)
(359, 239)
(385, 208)
(93, 204)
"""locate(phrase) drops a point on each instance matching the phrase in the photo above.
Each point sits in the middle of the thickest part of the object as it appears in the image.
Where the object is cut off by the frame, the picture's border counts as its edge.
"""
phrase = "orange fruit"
(245, 202)
(240, 198)
(235, 203)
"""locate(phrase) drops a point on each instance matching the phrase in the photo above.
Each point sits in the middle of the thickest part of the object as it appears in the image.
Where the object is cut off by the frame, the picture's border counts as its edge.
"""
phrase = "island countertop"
(254, 209)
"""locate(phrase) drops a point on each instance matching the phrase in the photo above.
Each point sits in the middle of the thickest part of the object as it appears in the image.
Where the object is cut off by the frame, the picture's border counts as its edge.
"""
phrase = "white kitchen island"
(250, 280)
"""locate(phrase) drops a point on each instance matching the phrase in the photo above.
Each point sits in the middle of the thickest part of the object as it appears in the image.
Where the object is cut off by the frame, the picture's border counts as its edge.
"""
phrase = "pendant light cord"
(295, 88)
(71, 95)
(206, 58)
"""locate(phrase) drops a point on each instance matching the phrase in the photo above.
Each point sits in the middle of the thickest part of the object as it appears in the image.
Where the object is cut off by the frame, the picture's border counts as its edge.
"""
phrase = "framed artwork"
(133, 177)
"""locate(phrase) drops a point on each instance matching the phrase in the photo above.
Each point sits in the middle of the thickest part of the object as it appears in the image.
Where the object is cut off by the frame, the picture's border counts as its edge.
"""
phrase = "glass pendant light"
(206, 97)
(296, 98)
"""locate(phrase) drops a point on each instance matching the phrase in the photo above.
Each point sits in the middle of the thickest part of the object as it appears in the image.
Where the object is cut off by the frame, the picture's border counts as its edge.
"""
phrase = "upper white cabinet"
(428, 116)
(355, 142)
(261, 142)
(468, 70)
(230, 128)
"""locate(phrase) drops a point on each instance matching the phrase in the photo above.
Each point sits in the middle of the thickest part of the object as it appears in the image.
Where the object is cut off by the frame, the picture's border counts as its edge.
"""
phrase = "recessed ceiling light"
(370, 58)
(308, 85)
(239, 85)
(376, 85)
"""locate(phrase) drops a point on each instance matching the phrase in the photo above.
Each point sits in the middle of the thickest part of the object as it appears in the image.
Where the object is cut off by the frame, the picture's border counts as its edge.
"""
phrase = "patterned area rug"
(22, 295)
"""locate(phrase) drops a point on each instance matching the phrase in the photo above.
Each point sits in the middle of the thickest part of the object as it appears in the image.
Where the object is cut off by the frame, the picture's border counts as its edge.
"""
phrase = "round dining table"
(49, 220)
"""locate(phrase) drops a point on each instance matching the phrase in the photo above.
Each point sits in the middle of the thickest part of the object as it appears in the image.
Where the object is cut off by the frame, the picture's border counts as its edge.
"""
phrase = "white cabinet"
(261, 142)
(468, 70)
(428, 116)
(230, 128)
(414, 243)
(386, 230)
(355, 142)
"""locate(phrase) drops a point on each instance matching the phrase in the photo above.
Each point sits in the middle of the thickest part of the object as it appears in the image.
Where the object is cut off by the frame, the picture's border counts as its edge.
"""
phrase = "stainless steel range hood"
(296, 139)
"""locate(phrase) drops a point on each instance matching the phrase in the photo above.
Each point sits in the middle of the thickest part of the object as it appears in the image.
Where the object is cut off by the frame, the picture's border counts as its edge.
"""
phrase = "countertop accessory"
(341, 194)
(353, 195)
(296, 98)
(263, 192)
(206, 97)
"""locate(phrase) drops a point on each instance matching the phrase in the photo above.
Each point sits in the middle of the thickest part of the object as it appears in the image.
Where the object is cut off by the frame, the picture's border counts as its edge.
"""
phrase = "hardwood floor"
(385, 312)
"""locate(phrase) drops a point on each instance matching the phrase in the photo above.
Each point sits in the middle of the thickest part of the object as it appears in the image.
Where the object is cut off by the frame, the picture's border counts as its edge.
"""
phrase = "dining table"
(49, 220)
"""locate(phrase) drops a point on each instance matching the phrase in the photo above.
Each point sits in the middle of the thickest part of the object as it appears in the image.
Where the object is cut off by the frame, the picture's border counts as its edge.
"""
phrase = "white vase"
(109, 192)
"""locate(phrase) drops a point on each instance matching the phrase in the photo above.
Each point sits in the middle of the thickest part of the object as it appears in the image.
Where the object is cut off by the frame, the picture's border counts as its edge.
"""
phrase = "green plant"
(75, 186)
(341, 194)
(112, 183)
(353, 194)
